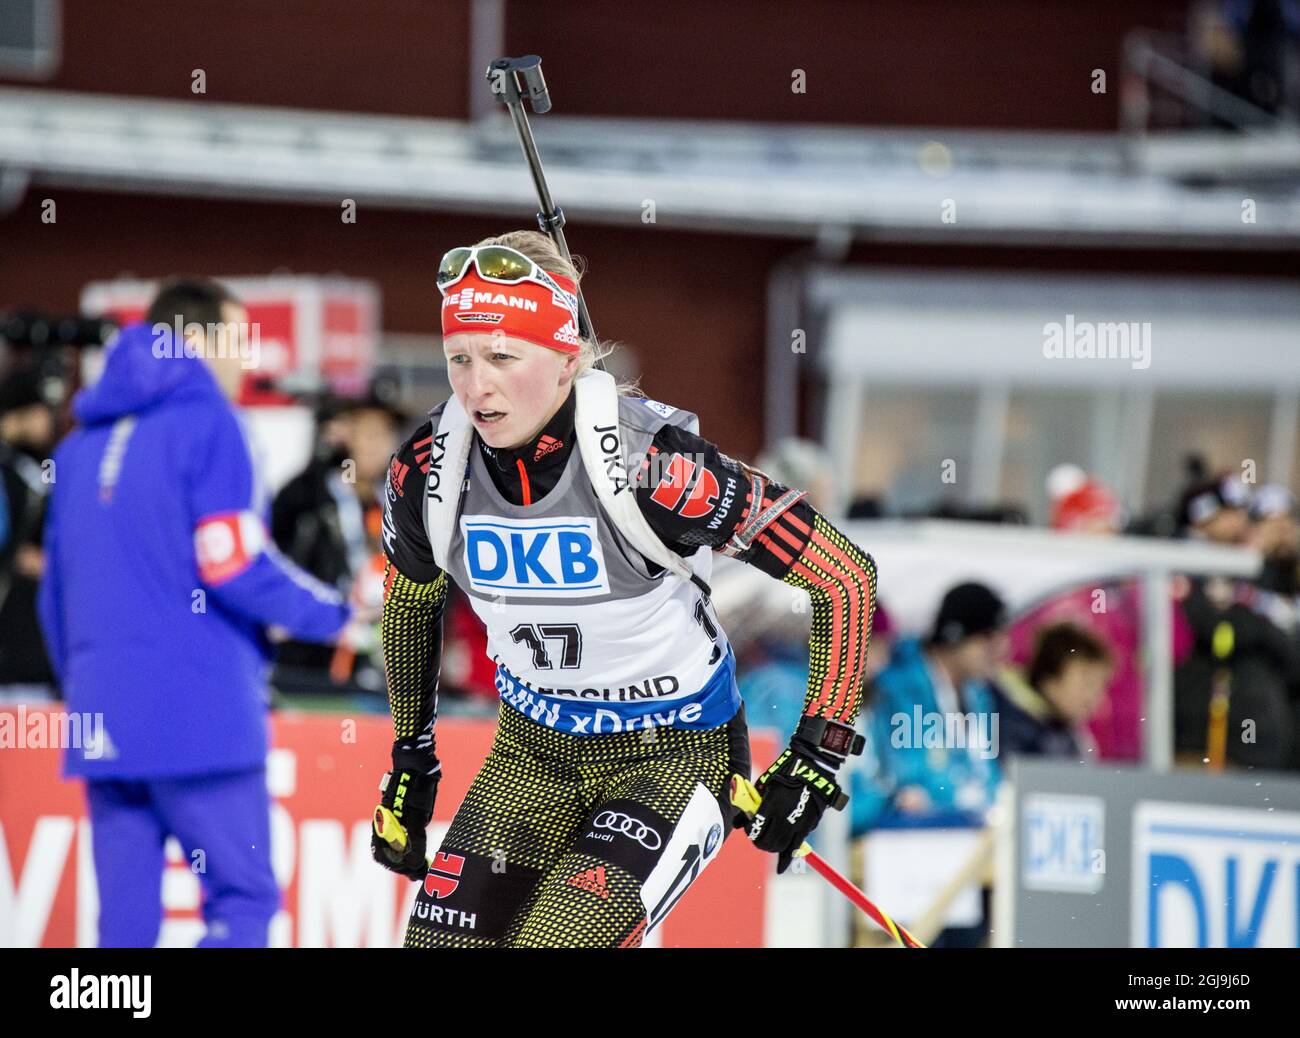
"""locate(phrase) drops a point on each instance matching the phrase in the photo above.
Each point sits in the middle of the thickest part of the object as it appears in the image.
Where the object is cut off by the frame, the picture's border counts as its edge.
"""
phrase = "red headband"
(524, 311)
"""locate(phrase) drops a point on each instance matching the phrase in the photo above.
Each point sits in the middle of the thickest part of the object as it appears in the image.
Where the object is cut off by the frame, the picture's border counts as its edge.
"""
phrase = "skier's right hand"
(404, 810)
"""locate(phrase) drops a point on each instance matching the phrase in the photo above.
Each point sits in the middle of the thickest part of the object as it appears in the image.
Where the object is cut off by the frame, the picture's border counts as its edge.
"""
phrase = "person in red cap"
(1080, 503)
(580, 518)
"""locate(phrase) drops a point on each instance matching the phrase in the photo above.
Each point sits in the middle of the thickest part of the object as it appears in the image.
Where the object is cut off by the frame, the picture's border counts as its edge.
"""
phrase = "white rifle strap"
(600, 442)
(449, 454)
(597, 425)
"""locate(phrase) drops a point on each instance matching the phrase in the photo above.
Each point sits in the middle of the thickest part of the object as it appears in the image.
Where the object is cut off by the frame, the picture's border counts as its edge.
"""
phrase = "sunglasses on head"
(498, 263)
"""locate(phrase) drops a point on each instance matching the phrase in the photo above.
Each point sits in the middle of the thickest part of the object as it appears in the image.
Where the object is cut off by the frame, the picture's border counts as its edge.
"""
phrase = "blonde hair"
(539, 248)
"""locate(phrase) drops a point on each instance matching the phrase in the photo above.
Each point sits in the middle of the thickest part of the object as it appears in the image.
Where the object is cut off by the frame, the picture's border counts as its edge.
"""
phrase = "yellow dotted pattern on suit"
(421, 935)
(408, 629)
(563, 913)
(583, 902)
(840, 578)
(527, 806)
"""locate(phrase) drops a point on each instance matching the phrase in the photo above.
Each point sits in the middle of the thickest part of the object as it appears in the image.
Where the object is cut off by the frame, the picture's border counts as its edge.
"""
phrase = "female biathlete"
(580, 520)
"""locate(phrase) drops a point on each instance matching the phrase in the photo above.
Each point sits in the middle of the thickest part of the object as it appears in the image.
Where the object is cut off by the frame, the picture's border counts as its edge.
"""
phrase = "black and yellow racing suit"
(561, 835)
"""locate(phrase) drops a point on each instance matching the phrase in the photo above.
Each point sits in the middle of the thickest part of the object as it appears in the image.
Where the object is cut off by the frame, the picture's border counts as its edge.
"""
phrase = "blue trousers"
(226, 816)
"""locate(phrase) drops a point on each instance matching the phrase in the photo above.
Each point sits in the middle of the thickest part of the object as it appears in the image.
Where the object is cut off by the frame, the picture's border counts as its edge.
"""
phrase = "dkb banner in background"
(1114, 857)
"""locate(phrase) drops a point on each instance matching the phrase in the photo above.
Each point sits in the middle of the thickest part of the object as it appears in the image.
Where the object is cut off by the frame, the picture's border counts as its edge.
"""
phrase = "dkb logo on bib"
(555, 557)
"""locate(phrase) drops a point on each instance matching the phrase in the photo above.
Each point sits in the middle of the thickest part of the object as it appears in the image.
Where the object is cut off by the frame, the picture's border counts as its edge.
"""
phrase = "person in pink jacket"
(1112, 609)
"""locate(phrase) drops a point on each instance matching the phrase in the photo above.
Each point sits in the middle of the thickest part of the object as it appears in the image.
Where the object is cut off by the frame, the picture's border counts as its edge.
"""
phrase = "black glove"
(409, 794)
(799, 786)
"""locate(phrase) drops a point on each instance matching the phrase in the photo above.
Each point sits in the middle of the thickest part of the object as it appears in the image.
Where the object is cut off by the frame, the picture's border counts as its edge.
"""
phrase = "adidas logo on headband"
(568, 334)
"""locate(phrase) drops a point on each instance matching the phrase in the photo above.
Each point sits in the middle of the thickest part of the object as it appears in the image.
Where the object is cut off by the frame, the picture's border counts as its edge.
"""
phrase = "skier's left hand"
(798, 787)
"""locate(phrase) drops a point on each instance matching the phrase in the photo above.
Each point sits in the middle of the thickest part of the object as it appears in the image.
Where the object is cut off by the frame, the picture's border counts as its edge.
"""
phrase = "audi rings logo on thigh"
(633, 828)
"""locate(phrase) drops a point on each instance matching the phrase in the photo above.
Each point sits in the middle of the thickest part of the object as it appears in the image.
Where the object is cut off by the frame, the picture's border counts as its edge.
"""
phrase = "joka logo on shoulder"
(556, 557)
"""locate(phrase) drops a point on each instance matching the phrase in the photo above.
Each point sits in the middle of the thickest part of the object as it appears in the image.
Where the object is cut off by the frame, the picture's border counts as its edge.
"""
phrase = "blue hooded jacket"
(160, 579)
(899, 755)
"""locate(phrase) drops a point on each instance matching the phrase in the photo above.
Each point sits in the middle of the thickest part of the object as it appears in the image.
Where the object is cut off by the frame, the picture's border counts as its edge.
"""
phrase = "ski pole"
(503, 75)
(745, 796)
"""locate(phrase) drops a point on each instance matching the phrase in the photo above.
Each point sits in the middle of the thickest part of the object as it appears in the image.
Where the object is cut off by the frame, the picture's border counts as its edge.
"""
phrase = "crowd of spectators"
(1065, 678)
(947, 708)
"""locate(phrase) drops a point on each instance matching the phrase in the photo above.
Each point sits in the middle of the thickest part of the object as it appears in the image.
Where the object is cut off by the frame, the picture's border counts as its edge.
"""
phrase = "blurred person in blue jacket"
(160, 586)
(932, 729)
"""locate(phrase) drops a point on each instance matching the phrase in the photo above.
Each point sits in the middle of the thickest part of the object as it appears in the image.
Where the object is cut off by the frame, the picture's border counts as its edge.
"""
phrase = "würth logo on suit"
(685, 487)
(444, 873)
